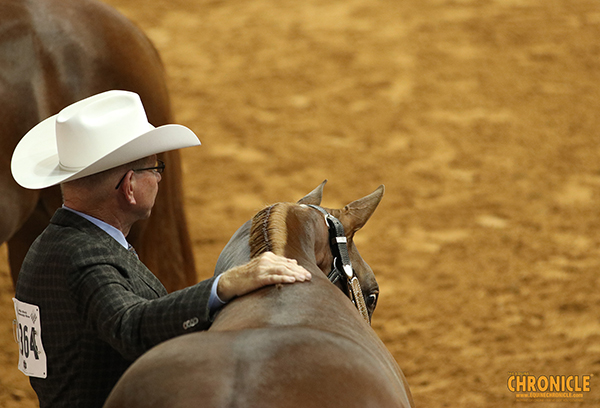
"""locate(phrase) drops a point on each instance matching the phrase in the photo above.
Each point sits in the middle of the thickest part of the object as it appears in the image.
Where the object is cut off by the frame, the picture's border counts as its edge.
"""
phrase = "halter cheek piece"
(342, 270)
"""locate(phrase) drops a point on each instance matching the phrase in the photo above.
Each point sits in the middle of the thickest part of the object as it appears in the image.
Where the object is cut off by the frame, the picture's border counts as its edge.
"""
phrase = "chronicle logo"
(555, 387)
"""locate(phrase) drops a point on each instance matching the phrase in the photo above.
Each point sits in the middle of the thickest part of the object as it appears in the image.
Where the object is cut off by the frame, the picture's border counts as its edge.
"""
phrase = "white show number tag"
(32, 358)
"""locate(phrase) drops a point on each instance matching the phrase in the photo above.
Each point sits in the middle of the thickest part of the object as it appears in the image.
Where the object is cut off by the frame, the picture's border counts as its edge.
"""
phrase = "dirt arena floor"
(481, 118)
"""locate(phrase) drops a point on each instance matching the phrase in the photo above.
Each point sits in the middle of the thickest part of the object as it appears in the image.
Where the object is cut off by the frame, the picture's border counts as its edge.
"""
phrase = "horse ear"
(314, 197)
(356, 214)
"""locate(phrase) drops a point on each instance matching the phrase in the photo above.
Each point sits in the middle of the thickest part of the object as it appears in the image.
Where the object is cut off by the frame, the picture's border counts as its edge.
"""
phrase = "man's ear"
(127, 188)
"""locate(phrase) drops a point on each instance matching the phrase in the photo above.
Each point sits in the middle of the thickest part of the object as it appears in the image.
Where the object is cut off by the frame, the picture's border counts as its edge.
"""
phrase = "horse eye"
(372, 300)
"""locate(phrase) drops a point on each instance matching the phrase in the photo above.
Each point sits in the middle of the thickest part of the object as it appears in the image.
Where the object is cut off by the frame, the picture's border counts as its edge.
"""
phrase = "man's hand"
(266, 269)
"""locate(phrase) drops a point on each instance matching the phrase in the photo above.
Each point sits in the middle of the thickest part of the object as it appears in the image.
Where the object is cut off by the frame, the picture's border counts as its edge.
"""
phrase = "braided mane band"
(269, 231)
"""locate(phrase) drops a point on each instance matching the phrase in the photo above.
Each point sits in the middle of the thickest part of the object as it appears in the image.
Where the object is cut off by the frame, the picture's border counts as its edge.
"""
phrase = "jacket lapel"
(125, 259)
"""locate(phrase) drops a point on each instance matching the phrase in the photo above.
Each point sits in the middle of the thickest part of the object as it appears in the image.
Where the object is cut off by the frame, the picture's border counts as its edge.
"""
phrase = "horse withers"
(54, 53)
(301, 345)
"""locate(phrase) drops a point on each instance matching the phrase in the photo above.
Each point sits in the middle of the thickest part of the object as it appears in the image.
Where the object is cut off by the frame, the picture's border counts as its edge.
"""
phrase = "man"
(86, 306)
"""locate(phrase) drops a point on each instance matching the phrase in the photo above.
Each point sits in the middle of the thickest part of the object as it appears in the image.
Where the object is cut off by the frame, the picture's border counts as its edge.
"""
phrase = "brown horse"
(301, 345)
(56, 52)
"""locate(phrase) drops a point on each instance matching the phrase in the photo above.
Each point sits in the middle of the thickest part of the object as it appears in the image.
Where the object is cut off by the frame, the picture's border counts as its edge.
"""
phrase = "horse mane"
(269, 231)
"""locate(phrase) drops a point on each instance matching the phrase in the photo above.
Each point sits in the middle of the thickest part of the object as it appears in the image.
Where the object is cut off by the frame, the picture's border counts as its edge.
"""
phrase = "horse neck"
(317, 304)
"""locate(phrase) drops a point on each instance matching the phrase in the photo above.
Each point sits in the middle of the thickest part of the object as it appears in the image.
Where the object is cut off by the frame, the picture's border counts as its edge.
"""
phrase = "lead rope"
(359, 300)
(339, 247)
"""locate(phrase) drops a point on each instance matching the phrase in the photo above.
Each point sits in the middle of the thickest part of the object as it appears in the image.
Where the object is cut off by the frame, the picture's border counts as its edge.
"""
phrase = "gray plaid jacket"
(100, 309)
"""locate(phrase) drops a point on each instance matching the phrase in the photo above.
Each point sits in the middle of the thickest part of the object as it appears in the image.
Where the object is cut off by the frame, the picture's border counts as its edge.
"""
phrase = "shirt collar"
(109, 229)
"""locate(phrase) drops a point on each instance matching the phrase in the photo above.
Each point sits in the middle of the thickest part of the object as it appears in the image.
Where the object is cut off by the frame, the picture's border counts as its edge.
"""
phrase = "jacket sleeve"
(132, 316)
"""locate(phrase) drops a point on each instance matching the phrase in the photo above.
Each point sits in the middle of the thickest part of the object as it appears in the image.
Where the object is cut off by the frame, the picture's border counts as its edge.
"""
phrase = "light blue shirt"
(214, 302)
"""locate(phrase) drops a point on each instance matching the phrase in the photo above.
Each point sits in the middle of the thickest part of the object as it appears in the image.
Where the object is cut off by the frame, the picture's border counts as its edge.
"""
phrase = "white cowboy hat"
(95, 134)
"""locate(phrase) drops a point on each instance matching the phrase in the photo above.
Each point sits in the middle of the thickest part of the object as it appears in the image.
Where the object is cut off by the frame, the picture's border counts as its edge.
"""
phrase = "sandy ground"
(479, 116)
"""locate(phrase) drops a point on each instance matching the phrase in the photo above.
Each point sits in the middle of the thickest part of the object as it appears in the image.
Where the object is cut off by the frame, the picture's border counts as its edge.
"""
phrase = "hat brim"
(35, 163)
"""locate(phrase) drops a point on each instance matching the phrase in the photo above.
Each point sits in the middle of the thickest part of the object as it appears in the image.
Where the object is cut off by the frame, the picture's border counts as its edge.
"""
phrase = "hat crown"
(93, 127)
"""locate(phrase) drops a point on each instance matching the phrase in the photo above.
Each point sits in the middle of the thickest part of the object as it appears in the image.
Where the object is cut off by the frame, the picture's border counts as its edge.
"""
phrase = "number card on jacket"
(32, 359)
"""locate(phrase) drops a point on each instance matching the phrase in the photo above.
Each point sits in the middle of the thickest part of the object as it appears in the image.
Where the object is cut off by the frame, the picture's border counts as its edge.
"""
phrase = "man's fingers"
(268, 269)
(272, 264)
(274, 279)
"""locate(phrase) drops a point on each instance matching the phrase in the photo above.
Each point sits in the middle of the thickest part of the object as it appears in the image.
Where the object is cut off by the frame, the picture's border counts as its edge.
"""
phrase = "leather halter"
(342, 270)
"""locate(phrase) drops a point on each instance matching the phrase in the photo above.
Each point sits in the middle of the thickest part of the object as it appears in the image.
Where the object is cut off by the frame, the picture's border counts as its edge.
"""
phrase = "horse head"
(353, 217)
(304, 222)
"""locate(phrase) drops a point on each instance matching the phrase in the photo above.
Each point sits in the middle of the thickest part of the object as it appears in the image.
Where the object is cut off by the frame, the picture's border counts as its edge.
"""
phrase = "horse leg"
(16, 205)
(19, 243)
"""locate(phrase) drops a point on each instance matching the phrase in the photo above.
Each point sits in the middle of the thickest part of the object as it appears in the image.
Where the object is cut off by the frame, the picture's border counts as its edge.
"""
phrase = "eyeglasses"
(157, 169)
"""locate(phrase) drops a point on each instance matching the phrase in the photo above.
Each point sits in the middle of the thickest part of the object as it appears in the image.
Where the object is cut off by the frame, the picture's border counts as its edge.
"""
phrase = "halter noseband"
(342, 270)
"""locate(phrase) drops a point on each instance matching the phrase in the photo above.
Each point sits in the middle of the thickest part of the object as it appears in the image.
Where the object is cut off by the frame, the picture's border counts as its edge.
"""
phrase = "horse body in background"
(54, 53)
(300, 345)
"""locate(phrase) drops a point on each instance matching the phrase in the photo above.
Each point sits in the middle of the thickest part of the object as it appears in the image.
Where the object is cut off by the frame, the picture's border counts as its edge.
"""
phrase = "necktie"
(131, 249)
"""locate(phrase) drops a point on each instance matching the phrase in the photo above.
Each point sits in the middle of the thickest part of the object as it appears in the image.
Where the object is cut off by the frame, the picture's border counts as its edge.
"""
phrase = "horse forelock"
(269, 230)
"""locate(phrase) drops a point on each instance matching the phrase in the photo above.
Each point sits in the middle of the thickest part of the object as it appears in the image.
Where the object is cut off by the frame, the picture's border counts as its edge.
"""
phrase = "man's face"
(146, 188)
